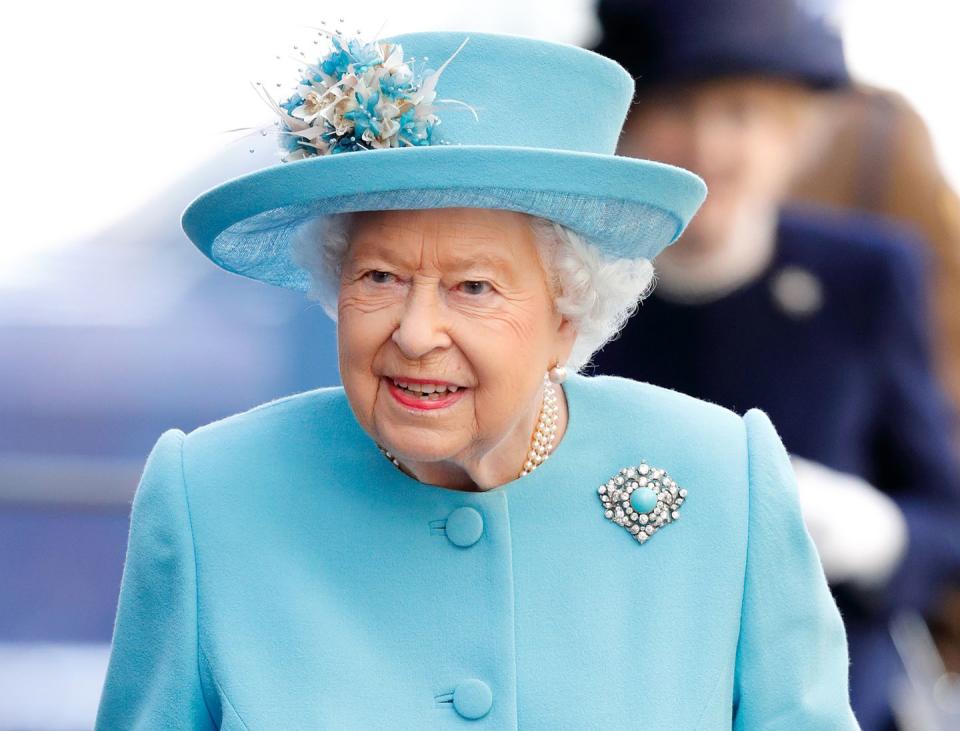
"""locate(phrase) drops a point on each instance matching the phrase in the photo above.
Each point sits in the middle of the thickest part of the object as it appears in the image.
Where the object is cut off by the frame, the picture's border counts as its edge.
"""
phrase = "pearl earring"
(557, 374)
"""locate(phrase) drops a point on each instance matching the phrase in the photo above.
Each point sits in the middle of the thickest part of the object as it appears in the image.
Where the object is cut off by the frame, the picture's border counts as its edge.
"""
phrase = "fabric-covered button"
(464, 526)
(472, 698)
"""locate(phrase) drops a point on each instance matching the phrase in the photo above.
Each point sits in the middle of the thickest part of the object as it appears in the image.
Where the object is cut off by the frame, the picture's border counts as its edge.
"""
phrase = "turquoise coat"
(282, 574)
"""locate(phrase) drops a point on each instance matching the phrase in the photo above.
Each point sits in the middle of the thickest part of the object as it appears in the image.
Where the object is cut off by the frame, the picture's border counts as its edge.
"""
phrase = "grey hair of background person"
(596, 293)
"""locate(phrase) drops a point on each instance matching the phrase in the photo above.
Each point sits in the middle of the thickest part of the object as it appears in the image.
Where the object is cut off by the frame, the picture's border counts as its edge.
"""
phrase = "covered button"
(472, 698)
(464, 526)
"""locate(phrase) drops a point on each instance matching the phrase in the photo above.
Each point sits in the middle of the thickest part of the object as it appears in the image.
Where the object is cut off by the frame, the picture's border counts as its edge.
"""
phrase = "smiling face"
(446, 326)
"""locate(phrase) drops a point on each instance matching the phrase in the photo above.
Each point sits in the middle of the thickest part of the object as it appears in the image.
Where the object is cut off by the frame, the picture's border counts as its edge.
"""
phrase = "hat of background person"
(676, 41)
(438, 120)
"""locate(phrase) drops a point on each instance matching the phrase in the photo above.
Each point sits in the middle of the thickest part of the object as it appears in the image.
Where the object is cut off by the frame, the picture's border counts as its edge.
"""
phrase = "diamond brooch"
(642, 499)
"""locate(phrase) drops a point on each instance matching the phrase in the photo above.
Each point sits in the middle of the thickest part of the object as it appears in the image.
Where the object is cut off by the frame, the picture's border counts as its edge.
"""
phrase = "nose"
(422, 327)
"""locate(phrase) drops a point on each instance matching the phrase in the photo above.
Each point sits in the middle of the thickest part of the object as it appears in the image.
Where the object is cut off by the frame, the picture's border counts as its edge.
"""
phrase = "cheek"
(770, 164)
(508, 352)
(361, 336)
(516, 329)
(726, 149)
(363, 326)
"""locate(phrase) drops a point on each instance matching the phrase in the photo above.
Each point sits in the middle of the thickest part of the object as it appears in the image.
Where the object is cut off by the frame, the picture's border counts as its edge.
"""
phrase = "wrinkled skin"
(456, 296)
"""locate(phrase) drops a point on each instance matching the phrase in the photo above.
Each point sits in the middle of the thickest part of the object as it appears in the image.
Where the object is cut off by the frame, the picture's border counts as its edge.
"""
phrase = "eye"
(475, 287)
(380, 277)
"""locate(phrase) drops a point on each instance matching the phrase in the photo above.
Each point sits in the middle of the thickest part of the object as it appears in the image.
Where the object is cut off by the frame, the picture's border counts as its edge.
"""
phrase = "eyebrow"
(498, 264)
(379, 249)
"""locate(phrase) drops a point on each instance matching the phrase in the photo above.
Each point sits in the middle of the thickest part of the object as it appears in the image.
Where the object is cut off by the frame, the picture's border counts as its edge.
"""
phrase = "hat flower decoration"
(361, 96)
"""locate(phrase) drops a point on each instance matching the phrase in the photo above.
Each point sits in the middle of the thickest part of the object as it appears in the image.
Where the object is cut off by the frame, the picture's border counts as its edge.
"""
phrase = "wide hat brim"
(627, 207)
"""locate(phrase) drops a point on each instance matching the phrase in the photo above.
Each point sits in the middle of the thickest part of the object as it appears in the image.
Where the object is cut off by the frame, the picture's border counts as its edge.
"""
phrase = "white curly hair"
(598, 294)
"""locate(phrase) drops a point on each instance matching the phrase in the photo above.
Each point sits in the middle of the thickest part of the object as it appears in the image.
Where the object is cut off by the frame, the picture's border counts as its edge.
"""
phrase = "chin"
(418, 444)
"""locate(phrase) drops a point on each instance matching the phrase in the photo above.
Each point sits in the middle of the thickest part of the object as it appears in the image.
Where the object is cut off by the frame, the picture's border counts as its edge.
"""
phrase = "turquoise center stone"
(643, 499)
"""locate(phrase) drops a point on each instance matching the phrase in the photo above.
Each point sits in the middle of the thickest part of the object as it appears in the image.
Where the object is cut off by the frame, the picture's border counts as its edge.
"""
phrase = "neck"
(706, 276)
(478, 472)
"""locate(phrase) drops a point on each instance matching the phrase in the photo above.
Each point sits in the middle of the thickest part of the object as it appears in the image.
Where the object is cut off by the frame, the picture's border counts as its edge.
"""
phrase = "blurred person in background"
(816, 316)
(878, 156)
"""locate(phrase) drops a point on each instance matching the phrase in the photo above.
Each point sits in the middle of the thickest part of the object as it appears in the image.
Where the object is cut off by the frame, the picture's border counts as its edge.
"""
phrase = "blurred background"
(113, 328)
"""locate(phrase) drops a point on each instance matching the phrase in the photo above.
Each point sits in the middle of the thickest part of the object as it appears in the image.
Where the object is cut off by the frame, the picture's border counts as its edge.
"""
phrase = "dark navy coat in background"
(832, 343)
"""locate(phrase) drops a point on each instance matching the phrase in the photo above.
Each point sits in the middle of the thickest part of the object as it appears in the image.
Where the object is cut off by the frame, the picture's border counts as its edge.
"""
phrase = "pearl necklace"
(541, 443)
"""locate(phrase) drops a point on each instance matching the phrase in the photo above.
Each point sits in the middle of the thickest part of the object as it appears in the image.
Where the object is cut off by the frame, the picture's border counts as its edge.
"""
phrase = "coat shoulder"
(858, 244)
(675, 413)
(280, 416)
(258, 445)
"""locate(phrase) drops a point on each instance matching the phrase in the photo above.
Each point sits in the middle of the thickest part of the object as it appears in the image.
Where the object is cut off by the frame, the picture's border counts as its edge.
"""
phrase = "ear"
(566, 335)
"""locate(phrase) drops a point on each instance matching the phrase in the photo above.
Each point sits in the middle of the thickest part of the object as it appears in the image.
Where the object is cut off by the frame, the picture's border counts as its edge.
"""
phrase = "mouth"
(424, 395)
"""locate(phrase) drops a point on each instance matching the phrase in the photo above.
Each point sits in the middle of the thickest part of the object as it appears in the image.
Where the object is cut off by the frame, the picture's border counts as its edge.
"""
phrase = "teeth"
(433, 391)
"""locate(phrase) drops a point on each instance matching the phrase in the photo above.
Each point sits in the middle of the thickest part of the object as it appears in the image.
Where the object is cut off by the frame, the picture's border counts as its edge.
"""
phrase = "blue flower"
(288, 141)
(361, 56)
(394, 86)
(364, 117)
(364, 55)
(337, 62)
(346, 143)
(416, 131)
(292, 103)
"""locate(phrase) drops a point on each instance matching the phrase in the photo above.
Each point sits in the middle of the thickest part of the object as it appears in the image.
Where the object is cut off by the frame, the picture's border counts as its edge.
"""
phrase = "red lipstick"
(421, 404)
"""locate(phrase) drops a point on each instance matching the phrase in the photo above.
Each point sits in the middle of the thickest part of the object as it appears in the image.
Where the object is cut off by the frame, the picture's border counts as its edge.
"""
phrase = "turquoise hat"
(515, 123)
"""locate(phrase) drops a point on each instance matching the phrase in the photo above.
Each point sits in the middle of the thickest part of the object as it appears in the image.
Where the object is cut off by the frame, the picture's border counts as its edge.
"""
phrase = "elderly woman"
(464, 534)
